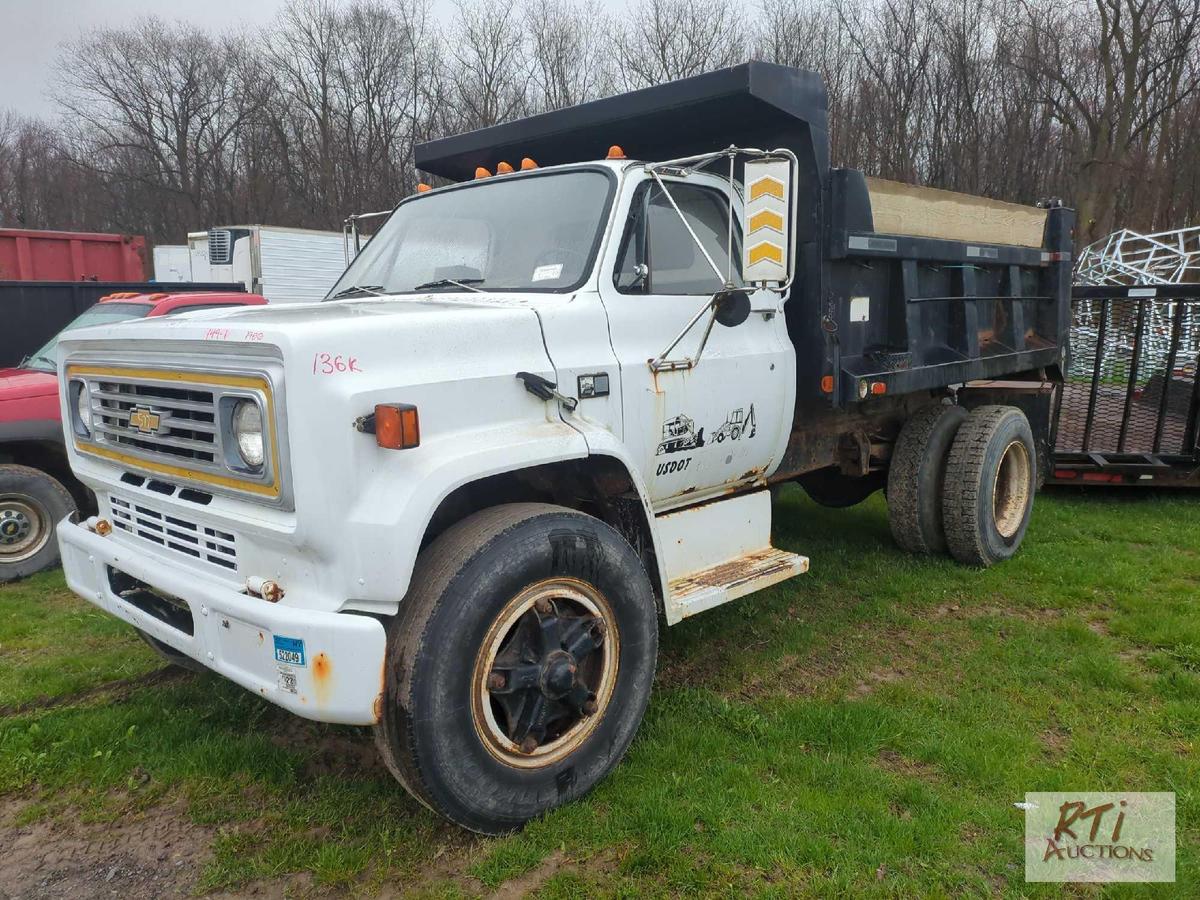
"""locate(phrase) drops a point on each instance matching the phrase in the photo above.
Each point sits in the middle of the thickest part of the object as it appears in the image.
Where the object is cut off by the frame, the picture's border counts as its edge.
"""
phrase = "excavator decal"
(738, 424)
(679, 433)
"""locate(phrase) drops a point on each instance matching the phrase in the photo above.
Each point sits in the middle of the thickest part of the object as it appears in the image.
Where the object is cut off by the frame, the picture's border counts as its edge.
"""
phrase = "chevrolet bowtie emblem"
(144, 419)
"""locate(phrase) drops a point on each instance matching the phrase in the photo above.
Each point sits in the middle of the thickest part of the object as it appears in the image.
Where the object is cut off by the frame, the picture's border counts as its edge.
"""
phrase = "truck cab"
(540, 414)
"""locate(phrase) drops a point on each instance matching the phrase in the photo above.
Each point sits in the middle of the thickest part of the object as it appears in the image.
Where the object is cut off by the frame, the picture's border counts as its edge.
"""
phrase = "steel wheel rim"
(24, 527)
(1010, 494)
(499, 710)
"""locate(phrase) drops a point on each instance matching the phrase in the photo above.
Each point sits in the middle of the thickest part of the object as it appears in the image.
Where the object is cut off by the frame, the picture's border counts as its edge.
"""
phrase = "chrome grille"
(184, 420)
(174, 532)
(220, 247)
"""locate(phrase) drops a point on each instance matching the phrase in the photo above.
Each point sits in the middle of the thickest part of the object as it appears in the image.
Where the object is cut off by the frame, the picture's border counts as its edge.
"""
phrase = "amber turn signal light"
(397, 426)
(878, 387)
(826, 384)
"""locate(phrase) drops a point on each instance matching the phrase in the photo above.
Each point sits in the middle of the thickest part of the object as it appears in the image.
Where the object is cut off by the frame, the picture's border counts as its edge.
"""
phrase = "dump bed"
(898, 289)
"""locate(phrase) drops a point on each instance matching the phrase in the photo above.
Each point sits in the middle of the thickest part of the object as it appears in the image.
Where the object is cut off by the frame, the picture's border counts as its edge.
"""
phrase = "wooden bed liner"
(899, 208)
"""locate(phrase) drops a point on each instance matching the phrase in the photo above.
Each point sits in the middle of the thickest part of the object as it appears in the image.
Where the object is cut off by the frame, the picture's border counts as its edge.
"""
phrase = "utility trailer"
(455, 501)
(1129, 408)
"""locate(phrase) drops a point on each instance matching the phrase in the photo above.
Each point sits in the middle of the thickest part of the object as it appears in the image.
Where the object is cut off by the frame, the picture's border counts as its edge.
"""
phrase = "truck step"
(698, 591)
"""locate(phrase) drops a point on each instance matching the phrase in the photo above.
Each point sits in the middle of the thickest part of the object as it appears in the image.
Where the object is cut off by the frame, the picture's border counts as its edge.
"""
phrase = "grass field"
(864, 729)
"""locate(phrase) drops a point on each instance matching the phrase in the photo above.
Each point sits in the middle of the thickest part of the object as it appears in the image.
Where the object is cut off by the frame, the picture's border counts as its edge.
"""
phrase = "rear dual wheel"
(519, 666)
(963, 482)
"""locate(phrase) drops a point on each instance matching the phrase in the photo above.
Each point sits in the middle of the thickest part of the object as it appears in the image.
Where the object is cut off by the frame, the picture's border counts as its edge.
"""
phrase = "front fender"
(393, 509)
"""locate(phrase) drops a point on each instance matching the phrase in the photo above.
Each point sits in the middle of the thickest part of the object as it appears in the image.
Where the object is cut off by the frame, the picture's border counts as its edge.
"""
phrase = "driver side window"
(658, 256)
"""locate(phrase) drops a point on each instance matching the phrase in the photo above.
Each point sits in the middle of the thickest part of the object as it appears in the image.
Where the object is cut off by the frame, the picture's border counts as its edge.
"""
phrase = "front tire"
(32, 504)
(519, 666)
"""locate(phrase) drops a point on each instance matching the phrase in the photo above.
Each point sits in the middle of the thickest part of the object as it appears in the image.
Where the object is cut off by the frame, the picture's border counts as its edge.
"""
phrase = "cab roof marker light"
(423, 188)
(503, 168)
(615, 152)
(481, 172)
(527, 164)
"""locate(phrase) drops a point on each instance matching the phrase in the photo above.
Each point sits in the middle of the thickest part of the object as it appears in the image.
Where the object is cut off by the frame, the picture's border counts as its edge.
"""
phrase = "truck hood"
(279, 322)
(25, 384)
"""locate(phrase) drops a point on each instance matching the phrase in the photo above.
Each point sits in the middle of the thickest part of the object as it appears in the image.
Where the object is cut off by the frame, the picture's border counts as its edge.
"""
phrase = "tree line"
(162, 128)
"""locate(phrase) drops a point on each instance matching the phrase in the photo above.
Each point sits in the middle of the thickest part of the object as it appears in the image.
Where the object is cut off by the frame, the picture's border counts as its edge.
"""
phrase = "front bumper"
(320, 665)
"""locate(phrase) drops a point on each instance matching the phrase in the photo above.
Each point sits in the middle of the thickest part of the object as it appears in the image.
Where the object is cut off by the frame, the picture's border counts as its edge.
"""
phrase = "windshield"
(508, 233)
(46, 358)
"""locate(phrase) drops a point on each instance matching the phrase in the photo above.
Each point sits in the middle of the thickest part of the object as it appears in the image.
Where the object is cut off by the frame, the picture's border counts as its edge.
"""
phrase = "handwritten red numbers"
(329, 364)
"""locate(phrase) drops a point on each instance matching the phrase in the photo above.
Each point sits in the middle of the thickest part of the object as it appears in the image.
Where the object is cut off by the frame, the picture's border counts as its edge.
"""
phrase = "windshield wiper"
(465, 284)
(372, 289)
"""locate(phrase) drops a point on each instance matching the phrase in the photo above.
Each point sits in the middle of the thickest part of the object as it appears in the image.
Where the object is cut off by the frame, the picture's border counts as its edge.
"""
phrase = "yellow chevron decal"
(766, 186)
(767, 218)
(766, 250)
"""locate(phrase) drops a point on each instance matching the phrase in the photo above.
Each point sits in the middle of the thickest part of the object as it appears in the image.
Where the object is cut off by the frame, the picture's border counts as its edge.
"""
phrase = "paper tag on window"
(548, 273)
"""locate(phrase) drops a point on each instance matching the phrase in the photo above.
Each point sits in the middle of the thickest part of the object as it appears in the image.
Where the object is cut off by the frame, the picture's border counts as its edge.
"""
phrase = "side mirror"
(768, 223)
(731, 307)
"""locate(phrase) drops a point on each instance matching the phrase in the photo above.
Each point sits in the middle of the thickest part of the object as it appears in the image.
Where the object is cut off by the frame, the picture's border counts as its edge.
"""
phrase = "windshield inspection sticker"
(289, 650)
(548, 273)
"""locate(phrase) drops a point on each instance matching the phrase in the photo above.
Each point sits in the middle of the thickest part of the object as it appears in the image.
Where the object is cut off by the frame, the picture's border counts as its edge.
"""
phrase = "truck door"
(724, 421)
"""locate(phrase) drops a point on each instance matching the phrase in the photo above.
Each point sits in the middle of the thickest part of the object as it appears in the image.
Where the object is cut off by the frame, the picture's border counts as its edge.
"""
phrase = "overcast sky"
(33, 29)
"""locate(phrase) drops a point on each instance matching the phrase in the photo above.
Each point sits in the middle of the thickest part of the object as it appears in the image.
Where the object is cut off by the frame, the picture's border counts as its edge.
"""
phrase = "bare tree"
(664, 40)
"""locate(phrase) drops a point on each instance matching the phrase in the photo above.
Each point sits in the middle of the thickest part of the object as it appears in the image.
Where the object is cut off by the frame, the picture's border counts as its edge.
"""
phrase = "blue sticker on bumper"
(289, 650)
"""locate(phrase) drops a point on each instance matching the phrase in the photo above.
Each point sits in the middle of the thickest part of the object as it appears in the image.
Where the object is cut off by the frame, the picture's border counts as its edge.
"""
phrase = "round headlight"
(247, 429)
(83, 407)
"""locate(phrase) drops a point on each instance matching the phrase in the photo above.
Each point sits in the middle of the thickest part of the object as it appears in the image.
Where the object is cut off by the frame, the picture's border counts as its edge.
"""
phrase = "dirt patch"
(898, 764)
(331, 750)
(108, 690)
(1055, 741)
(875, 678)
(526, 884)
(158, 853)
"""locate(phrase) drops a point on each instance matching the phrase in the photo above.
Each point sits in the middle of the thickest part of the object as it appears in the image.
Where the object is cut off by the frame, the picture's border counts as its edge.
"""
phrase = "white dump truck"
(541, 414)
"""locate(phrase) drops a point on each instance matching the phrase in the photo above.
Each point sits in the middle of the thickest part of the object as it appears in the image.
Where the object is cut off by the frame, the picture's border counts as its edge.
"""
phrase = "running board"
(730, 580)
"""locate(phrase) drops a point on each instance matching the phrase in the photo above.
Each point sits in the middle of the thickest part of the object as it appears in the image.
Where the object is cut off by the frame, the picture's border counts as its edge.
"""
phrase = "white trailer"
(285, 265)
(172, 263)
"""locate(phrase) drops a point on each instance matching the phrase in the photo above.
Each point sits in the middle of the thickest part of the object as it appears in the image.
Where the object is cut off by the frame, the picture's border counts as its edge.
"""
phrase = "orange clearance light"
(826, 384)
(397, 426)
(423, 187)
(503, 168)
(615, 152)
(527, 164)
(878, 387)
(481, 172)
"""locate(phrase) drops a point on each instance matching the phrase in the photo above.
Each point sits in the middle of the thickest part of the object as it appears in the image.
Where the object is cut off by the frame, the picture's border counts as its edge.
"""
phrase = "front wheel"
(32, 503)
(519, 666)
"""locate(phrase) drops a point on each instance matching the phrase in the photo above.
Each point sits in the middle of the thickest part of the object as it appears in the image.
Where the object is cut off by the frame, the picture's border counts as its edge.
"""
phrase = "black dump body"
(941, 312)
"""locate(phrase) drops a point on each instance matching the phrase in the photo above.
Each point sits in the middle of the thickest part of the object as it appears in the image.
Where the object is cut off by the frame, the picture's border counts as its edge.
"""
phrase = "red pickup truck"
(36, 486)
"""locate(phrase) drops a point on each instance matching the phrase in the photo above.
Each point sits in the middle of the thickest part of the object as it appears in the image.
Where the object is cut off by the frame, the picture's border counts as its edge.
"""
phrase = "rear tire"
(519, 666)
(916, 475)
(32, 504)
(991, 477)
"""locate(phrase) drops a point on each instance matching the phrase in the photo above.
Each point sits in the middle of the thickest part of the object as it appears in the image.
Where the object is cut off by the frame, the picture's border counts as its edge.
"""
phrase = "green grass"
(863, 729)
